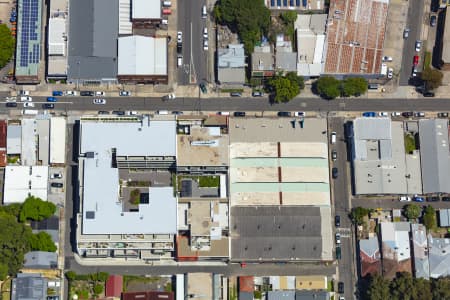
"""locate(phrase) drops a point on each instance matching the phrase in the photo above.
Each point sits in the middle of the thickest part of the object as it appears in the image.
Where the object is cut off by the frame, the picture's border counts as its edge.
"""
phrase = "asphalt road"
(342, 206)
(414, 23)
(191, 23)
(244, 104)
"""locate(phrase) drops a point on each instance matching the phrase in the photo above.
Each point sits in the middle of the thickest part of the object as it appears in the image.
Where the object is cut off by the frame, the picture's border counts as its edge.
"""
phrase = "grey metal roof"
(41, 260)
(29, 287)
(245, 296)
(312, 295)
(280, 233)
(93, 33)
(420, 251)
(372, 128)
(434, 155)
(439, 256)
(14, 139)
(231, 57)
(369, 246)
(444, 217)
(231, 75)
(286, 61)
(280, 295)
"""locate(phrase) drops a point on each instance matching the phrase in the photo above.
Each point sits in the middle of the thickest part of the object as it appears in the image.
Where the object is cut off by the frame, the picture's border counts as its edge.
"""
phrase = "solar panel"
(29, 32)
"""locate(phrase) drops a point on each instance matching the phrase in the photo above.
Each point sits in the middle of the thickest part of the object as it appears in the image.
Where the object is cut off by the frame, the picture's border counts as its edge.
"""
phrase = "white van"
(224, 113)
(179, 60)
(167, 3)
(333, 137)
(204, 14)
(162, 112)
(29, 112)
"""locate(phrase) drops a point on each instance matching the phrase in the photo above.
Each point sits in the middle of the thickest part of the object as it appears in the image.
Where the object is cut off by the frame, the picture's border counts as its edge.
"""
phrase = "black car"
(338, 252)
(432, 199)
(103, 112)
(48, 106)
(428, 94)
(442, 115)
(334, 172)
(56, 184)
(340, 287)
(119, 112)
(433, 20)
(203, 88)
(239, 114)
(445, 198)
(407, 114)
(87, 93)
(284, 114)
(177, 112)
(11, 104)
(337, 221)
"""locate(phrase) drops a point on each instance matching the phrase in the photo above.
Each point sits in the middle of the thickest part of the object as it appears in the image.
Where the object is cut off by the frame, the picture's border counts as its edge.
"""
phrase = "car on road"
(48, 106)
(416, 60)
(71, 93)
(369, 114)
(179, 48)
(179, 60)
(52, 99)
(407, 114)
(445, 198)
(418, 199)
(396, 114)
(419, 114)
(177, 112)
(340, 287)
(338, 253)
(405, 199)
(205, 45)
(56, 184)
(204, 13)
(442, 115)
(418, 45)
(406, 33)
(86, 93)
(337, 221)
(334, 155)
(11, 104)
(57, 93)
(333, 137)
(203, 88)
(179, 37)
(28, 104)
(235, 94)
(103, 112)
(387, 58)
(414, 71)
(257, 94)
(338, 238)
(383, 114)
(432, 199)
(26, 98)
(433, 20)
(239, 114)
(56, 175)
(124, 93)
(170, 96)
(24, 93)
(300, 114)
(205, 33)
(223, 113)
(341, 298)
(334, 173)
(99, 101)
(390, 73)
(118, 112)
(100, 93)
(284, 114)
(428, 94)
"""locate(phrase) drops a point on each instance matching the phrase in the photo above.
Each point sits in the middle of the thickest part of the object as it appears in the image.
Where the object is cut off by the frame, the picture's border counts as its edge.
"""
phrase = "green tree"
(36, 209)
(357, 215)
(432, 77)
(71, 275)
(14, 242)
(102, 276)
(3, 271)
(289, 18)
(12, 209)
(354, 86)
(328, 87)
(7, 44)
(42, 241)
(412, 211)
(98, 289)
(441, 288)
(249, 18)
(378, 288)
(284, 89)
(423, 289)
(402, 287)
(429, 218)
(294, 78)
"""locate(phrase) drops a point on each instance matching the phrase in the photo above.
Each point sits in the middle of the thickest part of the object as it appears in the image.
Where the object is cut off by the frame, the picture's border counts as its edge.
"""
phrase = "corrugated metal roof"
(444, 217)
(231, 57)
(439, 256)
(281, 295)
(146, 9)
(14, 139)
(57, 36)
(41, 260)
(369, 246)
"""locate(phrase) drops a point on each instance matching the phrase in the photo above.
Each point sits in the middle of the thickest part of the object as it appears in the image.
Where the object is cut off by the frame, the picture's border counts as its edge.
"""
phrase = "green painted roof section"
(279, 162)
(298, 187)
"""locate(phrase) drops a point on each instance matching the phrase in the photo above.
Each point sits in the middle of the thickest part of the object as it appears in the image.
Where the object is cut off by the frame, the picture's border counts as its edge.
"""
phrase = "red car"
(416, 60)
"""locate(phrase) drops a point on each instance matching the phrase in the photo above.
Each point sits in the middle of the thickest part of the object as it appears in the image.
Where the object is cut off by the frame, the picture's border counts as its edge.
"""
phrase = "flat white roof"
(146, 9)
(14, 139)
(57, 140)
(22, 181)
(141, 55)
(56, 36)
(29, 142)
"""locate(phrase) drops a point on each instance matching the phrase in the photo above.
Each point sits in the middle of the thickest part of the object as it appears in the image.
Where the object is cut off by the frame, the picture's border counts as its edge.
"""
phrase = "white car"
(383, 114)
(100, 94)
(99, 101)
(338, 238)
(405, 199)
(56, 176)
(131, 113)
(26, 98)
(24, 93)
(396, 114)
(205, 45)
(387, 58)
(418, 46)
(300, 114)
(170, 96)
(125, 93)
(390, 73)
(165, 22)
(71, 93)
(28, 104)
(179, 37)
(205, 33)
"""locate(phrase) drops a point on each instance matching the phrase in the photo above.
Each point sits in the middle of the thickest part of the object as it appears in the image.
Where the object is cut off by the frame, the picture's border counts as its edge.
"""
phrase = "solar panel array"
(29, 32)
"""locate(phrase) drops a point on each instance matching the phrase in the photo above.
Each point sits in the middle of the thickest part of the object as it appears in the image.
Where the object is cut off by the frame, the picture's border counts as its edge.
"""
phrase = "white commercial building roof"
(29, 142)
(57, 140)
(146, 9)
(57, 36)
(102, 210)
(14, 139)
(125, 25)
(22, 181)
(141, 55)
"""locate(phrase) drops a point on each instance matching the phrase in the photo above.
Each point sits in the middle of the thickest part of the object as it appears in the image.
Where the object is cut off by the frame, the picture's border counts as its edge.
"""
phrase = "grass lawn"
(410, 143)
(209, 181)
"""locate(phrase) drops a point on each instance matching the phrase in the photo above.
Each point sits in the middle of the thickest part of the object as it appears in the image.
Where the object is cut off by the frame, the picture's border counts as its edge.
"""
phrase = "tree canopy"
(7, 44)
(42, 241)
(357, 215)
(412, 211)
(328, 87)
(249, 18)
(36, 209)
(432, 77)
(429, 218)
(285, 88)
(354, 86)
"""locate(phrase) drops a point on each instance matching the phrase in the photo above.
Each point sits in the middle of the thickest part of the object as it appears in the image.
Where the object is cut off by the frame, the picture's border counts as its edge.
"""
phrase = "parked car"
(334, 173)
(125, 93)
(99, 101)
(406, 33)
(340, 287)
(405, 199)
(71, 93)
(300, 114)
(396, 114)
(257, 94)
(334, 155)
(433, 21)
(86, 93)
(338, 238)
(338, 253)
(442, 115)
(103, 112)
(179, 37)
(203, 88)
(387, 58)
(390, 73)
(205, 45)
(52, 99)
(118, 112)
(205, 33)
(407, 114)
(284, 114)
(432, 199)
(170, 96)
(428, 94)
(239, 114)
(418, 45)
(177, 112)
(26, 98)
(57, 93)
(24, 93)
(420, 114)
(369, 114)
(383, 114)
(418, 199)
(28, 104)
(56, 175)
(337, 221)
(100, 93)
(56, 184)
(235, 94)
(445, 198)
(11, 104)
(48, 106)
